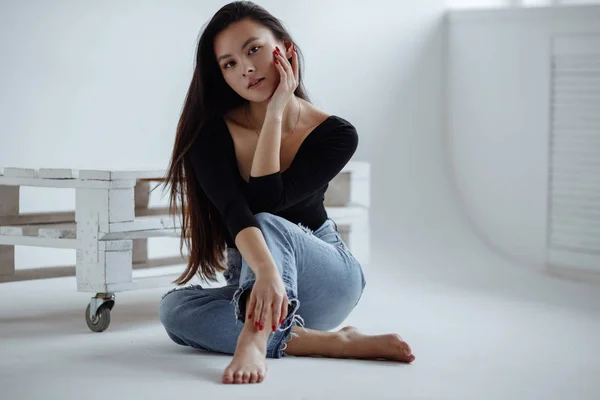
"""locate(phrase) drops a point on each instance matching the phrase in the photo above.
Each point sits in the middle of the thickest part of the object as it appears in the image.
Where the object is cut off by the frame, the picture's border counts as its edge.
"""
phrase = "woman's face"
(244, 52)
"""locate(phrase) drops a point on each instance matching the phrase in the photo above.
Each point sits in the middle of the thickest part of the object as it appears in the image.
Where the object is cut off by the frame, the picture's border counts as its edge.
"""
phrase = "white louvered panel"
(574, 176)
(575, 214)
(566, 202)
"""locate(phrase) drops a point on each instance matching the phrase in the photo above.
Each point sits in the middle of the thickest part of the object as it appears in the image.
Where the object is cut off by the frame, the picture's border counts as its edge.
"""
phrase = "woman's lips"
(259, 84)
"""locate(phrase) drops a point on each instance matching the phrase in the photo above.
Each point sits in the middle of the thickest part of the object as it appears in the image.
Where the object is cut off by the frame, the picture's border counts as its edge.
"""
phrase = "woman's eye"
(255, 47)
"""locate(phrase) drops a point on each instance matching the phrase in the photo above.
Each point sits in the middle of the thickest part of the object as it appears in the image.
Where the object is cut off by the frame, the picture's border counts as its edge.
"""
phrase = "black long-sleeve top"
(297, 194)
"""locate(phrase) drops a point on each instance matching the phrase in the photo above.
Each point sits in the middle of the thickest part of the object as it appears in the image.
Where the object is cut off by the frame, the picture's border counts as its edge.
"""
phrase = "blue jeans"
(323, 281)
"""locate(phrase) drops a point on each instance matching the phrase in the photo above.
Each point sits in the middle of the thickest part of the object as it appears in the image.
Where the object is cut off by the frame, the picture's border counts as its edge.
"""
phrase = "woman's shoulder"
(208, 136)
(212, 128)
(321, 117)
(236, 117)
(315, 116)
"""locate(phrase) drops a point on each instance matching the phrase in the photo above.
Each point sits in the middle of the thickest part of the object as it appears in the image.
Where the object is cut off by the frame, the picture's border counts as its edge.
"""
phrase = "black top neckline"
(320, 126)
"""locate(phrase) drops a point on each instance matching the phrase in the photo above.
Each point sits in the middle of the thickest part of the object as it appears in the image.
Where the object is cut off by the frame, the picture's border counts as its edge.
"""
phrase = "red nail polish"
(249, 316)
(262, 327)
(277, 48)
(276, 61)
(273, 328)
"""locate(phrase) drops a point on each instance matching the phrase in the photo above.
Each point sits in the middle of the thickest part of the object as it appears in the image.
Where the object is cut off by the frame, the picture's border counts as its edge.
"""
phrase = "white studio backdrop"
(101, 86)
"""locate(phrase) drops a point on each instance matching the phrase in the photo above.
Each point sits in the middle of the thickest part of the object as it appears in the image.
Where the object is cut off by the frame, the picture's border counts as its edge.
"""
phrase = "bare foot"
(249, 360)
(354, 344)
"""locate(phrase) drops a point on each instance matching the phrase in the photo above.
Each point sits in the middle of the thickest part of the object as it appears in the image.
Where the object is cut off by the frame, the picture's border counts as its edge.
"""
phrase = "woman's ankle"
(309, 342)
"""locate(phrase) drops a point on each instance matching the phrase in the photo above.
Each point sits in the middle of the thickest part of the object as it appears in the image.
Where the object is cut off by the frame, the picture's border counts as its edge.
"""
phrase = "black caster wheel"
(100, 321)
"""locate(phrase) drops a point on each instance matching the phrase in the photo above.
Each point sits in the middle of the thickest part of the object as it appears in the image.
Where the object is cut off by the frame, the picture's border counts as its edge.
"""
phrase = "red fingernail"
(249, 316)
(262, 327)
(273, 328)
(277, 48)
(276, 62)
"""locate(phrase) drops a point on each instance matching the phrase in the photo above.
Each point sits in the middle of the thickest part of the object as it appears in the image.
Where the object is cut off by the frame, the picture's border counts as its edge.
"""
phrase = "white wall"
(498, 88)
(84, 82)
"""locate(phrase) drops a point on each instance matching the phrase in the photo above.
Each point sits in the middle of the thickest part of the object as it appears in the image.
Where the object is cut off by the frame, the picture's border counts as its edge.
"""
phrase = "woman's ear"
(289, 49)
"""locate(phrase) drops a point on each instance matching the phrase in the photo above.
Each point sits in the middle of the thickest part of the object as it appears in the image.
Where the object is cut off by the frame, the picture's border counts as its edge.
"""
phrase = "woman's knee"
(177, 303)
(275, 227)
(167, 311)
(267, 219)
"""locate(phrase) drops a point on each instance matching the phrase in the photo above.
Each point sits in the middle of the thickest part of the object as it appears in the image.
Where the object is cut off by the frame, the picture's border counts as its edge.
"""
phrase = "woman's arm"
(268, 300)
(267, 153)
(253, 248)
(268, 148)
(313, 167)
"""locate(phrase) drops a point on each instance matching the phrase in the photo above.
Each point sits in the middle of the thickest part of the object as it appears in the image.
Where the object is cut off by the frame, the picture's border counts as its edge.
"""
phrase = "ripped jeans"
(323, 281)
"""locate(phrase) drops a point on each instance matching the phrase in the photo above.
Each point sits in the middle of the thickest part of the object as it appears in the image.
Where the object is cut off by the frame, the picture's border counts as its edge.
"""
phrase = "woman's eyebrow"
(243, 45)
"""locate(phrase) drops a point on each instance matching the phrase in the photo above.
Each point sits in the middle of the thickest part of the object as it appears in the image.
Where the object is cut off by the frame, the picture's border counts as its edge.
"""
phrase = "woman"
(251, 162)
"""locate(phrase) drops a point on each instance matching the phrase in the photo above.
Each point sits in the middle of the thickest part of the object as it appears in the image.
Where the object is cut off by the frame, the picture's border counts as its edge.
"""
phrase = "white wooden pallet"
(112, 222)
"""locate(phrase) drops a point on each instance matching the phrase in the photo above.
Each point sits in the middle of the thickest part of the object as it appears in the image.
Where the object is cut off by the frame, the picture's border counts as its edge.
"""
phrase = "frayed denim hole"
(294, 320)
(239, 301)
(189, 287)
(305, 229)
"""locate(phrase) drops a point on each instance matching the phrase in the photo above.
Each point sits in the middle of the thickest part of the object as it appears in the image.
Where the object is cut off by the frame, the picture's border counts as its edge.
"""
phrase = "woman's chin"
(259, 97)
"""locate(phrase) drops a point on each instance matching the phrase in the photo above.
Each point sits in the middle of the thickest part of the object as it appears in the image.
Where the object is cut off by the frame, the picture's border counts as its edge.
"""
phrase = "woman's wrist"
(264, 270)
(274, 113)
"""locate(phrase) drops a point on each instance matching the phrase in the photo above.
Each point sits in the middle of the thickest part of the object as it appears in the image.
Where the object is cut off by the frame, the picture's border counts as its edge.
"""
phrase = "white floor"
(476, 334)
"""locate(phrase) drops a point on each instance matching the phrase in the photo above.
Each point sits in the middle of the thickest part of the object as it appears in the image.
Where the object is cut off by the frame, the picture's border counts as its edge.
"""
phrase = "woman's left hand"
(288, 80)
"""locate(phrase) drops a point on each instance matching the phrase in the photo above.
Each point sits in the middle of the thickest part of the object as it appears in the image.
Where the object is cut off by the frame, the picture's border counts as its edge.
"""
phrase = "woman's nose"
(247, 68)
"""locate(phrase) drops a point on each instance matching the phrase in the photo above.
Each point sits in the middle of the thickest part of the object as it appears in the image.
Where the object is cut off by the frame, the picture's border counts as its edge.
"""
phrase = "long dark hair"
(209, 96)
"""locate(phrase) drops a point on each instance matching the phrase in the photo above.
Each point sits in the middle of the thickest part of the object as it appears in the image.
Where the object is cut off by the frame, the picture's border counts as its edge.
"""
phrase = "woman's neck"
(257, 113)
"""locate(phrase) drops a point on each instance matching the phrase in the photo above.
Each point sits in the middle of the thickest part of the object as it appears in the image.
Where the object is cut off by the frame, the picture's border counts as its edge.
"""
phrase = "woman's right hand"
(288, 81)
(268, 303)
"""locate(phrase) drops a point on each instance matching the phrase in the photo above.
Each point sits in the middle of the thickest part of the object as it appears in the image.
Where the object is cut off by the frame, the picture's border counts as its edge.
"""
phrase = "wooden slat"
(65, 216)
(119, 175)
(69, 270)
(38, 242)
(141, 234)
(57, 173)
(11, 172)
(54, 231)
(115, 245)
(66, 183)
